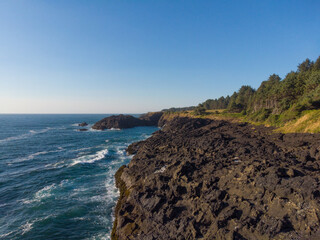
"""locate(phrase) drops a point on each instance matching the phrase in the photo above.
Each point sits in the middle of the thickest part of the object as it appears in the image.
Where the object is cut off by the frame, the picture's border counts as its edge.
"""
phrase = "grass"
(288, 122)
(309, 122)
(219, 114)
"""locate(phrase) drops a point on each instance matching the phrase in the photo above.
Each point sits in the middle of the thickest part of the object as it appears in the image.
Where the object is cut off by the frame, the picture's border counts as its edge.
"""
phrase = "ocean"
(57, 182)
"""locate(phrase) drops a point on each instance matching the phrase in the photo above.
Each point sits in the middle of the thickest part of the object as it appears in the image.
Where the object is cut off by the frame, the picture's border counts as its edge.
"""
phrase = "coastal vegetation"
(179, 109)
(291, 103)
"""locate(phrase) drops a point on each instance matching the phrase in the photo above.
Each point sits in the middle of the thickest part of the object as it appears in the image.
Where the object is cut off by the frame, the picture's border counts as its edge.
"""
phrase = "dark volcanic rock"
(82, 129)
(83, 124)
(128, 121)
(206, 179)
(134, 147)
(151, 118)
(119, 121)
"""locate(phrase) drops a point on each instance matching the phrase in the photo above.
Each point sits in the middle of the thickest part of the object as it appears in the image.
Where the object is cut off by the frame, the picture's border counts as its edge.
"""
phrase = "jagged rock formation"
(83, 124)
(127, 121)
(151, 118)
(119, 121)
(207, 179)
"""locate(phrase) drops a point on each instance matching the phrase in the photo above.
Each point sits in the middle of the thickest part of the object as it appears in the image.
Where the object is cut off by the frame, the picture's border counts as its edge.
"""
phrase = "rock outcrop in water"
(207, 179)
(127, 121)
(82, 129)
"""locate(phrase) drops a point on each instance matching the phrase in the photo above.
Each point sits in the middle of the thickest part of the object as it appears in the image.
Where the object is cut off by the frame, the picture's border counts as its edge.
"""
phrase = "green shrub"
(199, 111)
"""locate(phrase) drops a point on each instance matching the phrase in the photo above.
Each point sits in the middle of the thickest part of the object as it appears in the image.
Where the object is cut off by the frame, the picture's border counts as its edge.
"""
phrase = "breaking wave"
(90, 158)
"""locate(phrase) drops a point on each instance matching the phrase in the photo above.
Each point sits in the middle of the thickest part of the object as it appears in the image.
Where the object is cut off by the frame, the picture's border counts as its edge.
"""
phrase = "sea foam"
(114, 129)
(44, 192)
(26, 227)
(90, 158)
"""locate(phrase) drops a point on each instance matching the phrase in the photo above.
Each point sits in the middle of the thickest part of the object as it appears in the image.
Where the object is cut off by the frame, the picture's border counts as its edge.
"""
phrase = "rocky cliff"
(127, 121)
(151, 118)
(209, 179)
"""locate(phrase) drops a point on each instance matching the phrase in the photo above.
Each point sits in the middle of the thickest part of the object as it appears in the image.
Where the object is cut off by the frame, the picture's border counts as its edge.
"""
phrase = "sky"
(119, 56)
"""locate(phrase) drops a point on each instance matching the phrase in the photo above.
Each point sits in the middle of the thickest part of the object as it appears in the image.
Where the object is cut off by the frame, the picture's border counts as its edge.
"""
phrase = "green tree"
(244, 96)
(305, 66)
(200, 110)
(316, 65)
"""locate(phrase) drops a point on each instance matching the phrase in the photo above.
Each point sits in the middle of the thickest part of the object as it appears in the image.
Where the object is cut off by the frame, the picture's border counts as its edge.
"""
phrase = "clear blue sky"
(138, 56)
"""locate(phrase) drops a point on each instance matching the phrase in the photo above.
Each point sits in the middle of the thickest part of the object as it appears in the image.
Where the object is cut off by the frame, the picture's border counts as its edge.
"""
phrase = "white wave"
(55, 165)
(36, 154)
(81, 189)
(121, 151)
(13, 138)
(44, 192)
(4, 204)
(94, 130)
(27, 201)
(29, 225)
(33, 155)
(114, 129)
(26, 227)
(111, 189)
(107, 141)
(65, 182)
(30, 157)
(90, 158)
(25, 135)
(112, 194)
(6, 234)
(98, 198)
(120, 160)
(145, 136)
(40, 131)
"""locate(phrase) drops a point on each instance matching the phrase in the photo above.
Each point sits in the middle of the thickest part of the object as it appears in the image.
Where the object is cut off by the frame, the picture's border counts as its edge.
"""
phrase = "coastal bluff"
(127, 121)
(213, 179)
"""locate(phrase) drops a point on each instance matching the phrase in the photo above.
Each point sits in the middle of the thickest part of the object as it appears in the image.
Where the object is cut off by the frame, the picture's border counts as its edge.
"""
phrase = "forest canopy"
(275, 98)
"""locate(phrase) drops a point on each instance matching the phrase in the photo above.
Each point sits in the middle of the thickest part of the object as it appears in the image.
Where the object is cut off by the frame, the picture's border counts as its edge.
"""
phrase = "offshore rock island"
(127, 121)
(213, 179)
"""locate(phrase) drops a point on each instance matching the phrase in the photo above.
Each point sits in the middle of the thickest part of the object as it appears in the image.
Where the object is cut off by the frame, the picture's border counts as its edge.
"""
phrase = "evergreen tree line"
(298, 91)
(181, 109)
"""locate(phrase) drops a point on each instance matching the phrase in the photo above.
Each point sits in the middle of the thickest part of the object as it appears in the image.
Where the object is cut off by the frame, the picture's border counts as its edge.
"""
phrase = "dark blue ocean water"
(56, 182)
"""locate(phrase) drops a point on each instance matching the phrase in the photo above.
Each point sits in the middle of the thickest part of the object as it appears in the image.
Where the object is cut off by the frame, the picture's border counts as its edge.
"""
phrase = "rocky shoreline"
(210, 179)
